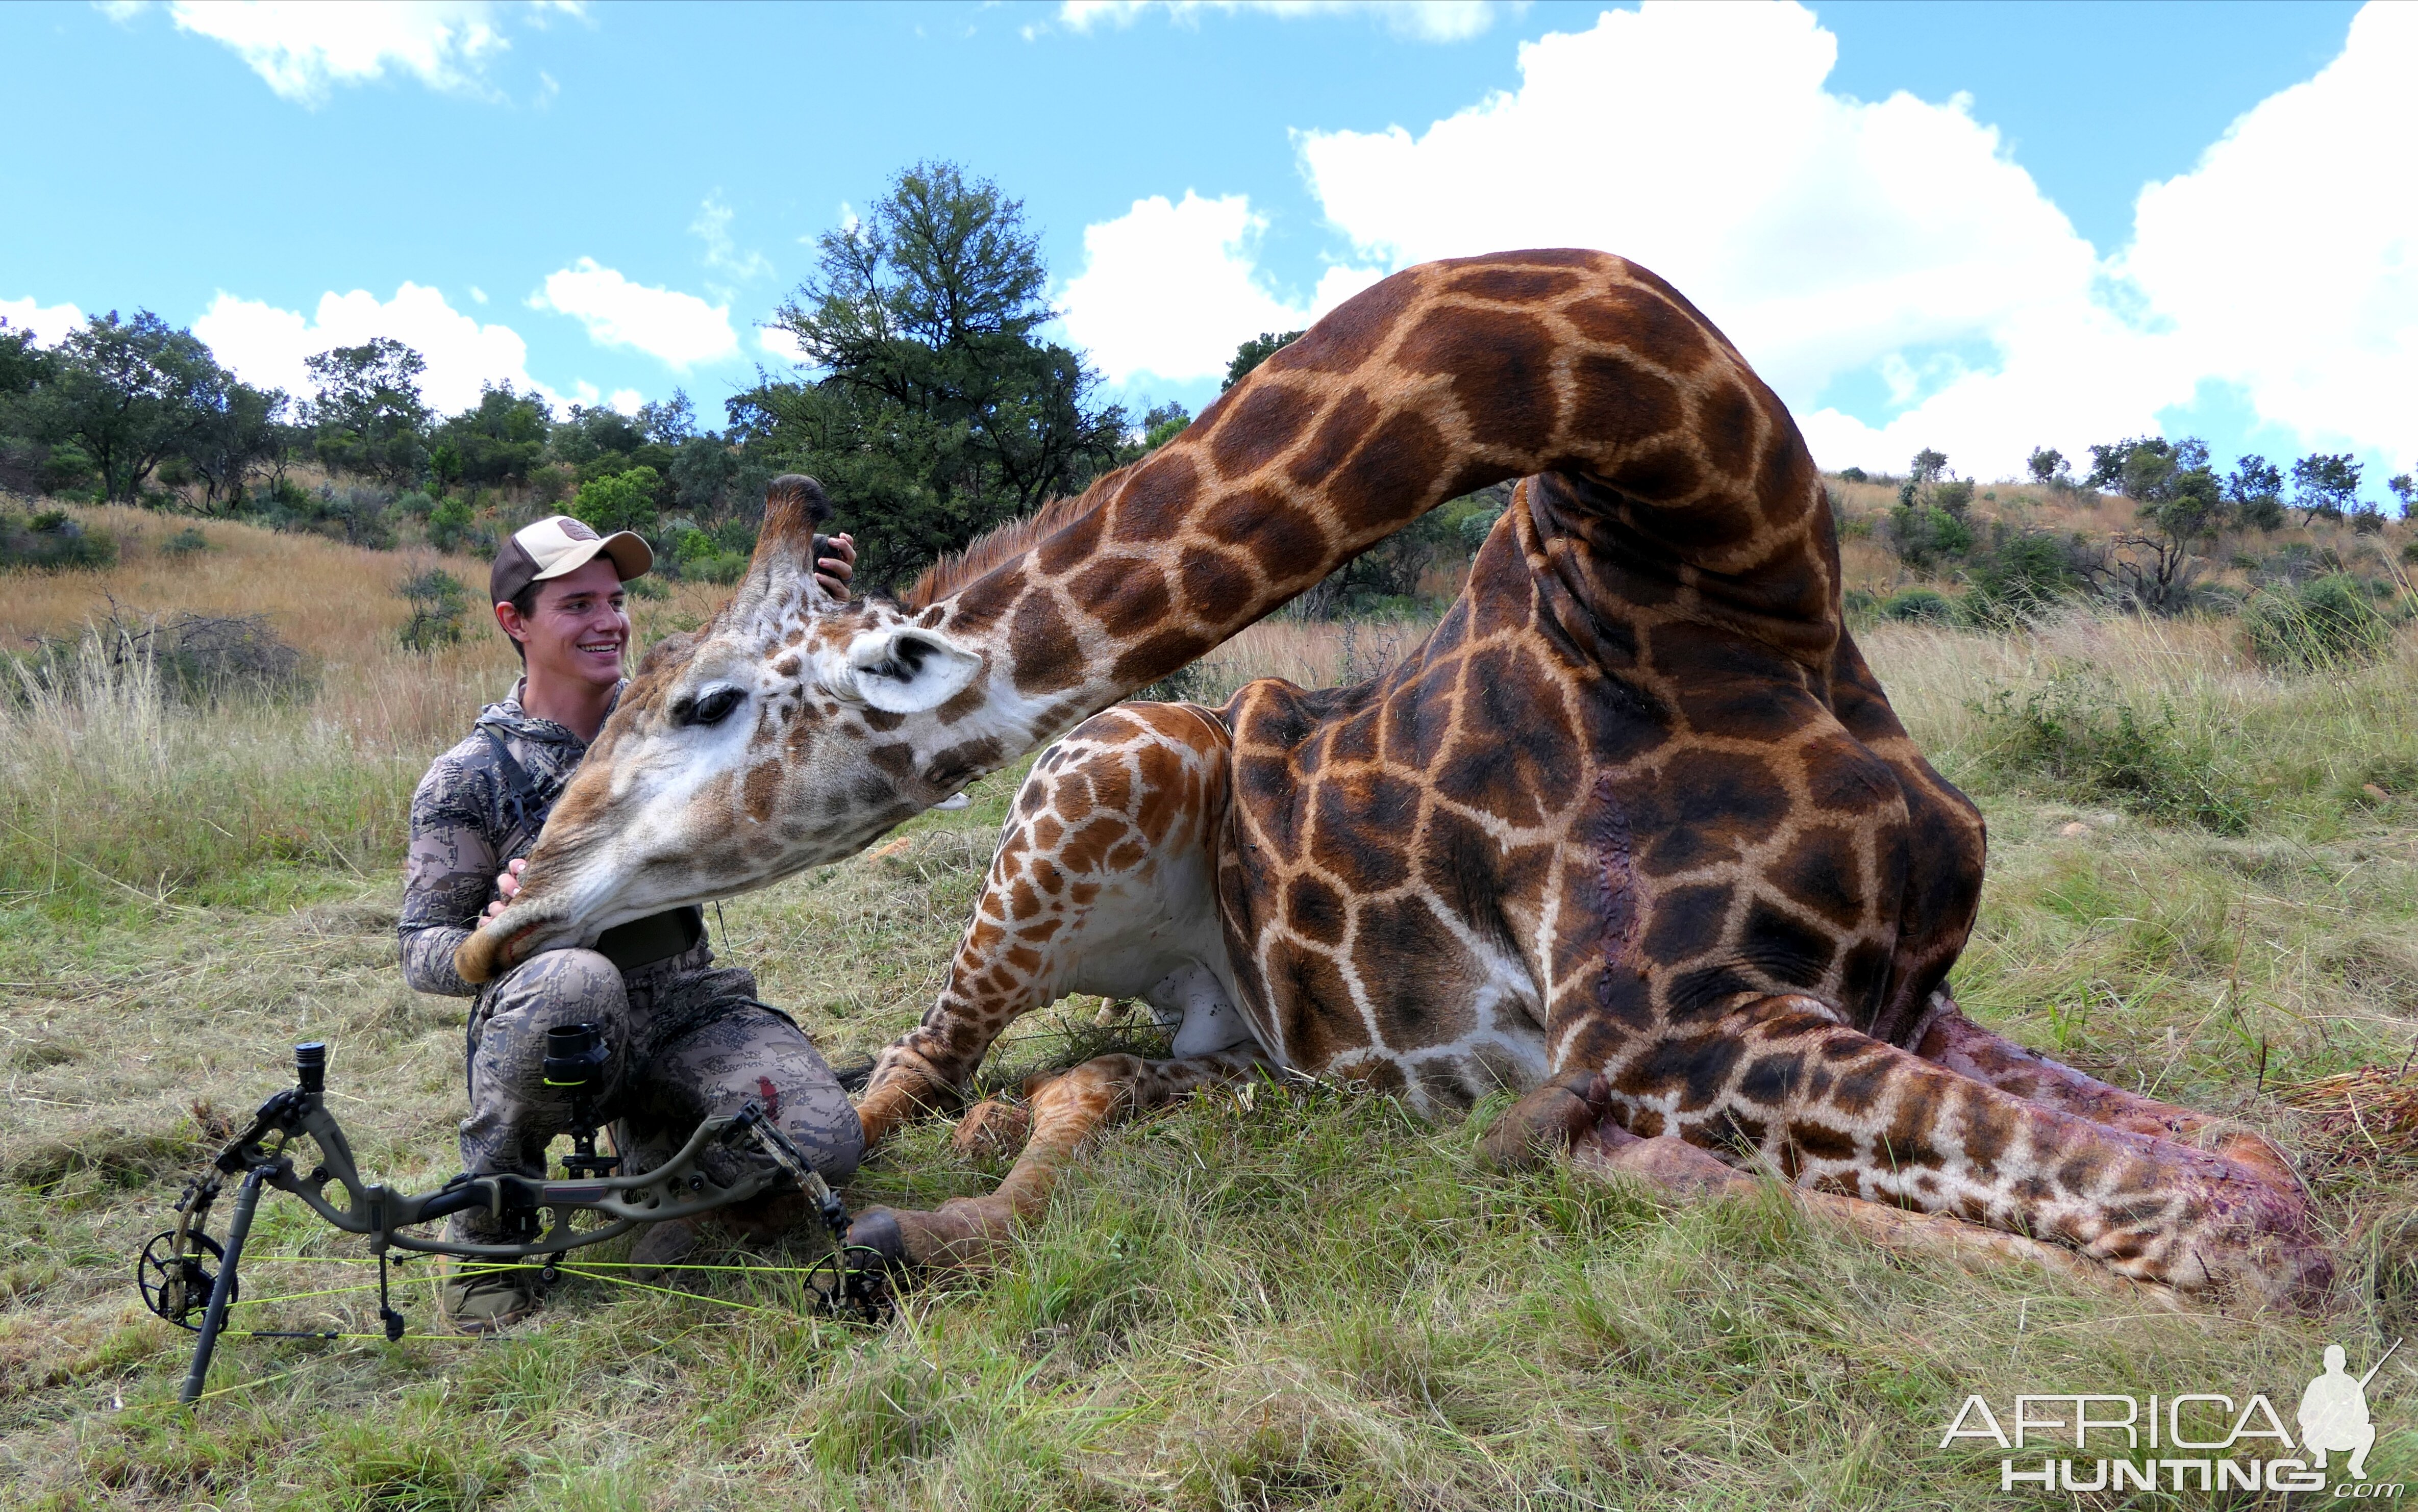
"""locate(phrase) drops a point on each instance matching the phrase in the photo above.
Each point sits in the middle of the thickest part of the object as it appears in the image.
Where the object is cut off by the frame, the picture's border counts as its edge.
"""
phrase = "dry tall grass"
(1278, 1299)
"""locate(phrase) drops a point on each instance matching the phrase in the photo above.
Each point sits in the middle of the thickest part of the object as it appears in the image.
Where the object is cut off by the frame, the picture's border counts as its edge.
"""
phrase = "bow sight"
(184, 1271)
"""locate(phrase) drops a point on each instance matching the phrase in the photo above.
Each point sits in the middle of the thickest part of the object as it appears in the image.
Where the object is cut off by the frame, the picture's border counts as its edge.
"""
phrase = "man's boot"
(660, 1249)
(482, 1296)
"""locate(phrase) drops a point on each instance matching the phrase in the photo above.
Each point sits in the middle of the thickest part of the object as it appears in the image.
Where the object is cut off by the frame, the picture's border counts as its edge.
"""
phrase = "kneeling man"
(689, 1039)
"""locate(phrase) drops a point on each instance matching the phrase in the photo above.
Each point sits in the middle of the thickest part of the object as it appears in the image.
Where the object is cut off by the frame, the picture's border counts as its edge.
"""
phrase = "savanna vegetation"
(2187, 700)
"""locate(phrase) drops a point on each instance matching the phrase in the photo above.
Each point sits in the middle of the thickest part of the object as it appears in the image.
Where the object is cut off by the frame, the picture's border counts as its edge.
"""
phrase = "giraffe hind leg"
(1572, 1113)
(1687, 1172)
(1951, 1040)
(1838, 1111)
(1061, 1111)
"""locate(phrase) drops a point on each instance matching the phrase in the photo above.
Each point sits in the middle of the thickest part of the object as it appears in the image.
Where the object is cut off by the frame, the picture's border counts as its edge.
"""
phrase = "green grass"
(1273, 1297)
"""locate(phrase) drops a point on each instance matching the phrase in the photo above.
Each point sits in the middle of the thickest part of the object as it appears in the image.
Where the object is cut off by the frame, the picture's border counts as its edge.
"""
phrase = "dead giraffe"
(1635, 833)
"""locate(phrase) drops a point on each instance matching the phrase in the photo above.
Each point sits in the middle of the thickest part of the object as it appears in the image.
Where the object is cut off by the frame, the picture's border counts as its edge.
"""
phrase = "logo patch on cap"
(577, 529)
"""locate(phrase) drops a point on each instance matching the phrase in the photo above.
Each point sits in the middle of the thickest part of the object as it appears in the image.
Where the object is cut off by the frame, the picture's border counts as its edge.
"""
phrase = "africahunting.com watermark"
(2198, 1440)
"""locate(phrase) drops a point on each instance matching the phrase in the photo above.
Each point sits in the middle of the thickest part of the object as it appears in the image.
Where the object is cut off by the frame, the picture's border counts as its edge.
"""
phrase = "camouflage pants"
(689, 1041)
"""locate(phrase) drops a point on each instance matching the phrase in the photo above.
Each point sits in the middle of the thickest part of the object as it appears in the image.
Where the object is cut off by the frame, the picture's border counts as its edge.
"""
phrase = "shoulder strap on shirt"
(526, 802)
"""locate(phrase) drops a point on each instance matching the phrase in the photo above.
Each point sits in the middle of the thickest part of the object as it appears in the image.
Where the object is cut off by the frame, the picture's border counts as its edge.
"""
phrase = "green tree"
(937, 409)
(1163, 424)
(707, 474)
(25, 365)
(502, 438)
(625, 502)
(242, 431)
(129, 394)
(602, 442)
(369, 415)
(2048, 467)
(2254, 491)
(2180, 506)
(2325, 487)
(1266, 344)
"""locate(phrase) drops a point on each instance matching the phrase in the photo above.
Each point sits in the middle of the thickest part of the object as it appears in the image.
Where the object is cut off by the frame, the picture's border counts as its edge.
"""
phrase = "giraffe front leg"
(1102, 883)
(1063, 1110)
(1838, 1111)
(1949, 1039)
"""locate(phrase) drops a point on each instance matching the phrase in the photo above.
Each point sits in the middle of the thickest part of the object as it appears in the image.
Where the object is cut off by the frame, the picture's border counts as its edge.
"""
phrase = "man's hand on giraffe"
(835, 571)
(508, 882)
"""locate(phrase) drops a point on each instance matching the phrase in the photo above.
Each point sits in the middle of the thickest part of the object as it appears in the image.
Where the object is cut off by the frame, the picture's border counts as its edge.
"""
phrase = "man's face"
(579, 628)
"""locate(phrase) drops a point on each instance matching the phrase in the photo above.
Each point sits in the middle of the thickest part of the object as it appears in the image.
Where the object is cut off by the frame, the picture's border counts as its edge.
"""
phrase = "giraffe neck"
(1436, 382)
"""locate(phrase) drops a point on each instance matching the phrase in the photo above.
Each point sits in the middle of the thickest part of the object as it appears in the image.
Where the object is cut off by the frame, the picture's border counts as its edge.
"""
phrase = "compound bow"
(184, 1269)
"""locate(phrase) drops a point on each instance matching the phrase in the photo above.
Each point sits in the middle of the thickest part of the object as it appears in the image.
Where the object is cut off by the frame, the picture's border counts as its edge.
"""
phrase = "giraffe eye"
(708, 708)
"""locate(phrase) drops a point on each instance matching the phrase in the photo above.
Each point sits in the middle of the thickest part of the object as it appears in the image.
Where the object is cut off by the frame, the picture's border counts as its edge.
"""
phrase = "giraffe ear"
(903, 669)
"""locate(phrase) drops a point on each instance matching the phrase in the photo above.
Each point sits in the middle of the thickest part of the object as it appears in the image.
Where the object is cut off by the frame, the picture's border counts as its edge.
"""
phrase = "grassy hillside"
(2204, 883)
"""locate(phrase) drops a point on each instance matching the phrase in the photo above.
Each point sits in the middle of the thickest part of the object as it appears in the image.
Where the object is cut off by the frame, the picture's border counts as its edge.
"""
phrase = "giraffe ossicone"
(1634, 832)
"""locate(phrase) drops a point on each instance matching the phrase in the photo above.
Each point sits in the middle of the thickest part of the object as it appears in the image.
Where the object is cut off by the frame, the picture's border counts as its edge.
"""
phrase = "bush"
(1921, 534)
(705, 559)
(2087, 743)
(185, 542)
(451, 525)
(68, 469)
(438, 600)
(1919, 606)
(52, 541)
(194, 658)
(2326, 621)
(2024, 574)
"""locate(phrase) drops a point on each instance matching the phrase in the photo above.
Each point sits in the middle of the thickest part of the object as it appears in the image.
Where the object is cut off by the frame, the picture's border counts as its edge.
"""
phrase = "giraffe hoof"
(963, 1233)
(878, 1229)
(1545, 1122)
(992, 1129)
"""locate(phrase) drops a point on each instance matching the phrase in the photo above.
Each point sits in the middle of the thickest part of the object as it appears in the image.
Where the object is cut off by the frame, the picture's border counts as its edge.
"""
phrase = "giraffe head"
(788, 732)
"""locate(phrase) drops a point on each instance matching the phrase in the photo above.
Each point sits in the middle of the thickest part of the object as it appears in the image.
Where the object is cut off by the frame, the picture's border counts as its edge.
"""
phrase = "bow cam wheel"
(177, 1287)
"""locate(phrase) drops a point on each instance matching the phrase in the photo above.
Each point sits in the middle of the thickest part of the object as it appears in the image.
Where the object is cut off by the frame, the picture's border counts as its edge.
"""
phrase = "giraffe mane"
(1004, 543)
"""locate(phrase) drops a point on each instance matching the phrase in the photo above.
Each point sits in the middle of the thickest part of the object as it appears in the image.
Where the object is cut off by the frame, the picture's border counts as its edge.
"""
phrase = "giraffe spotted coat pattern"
(1635, 833)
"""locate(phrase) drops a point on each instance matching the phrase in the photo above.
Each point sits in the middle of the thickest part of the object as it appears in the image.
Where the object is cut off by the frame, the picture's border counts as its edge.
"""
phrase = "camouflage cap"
(559, 545)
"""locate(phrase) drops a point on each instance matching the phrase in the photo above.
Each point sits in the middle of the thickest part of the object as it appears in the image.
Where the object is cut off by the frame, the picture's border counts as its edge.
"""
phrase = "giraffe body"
(1635, 833)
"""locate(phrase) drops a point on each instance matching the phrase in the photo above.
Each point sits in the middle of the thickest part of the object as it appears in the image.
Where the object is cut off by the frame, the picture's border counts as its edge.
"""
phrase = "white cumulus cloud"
(1893, 249)
(48, 322)
(302, 47)
(679, 329)
(2286, 259)
(1826, 236)
(266, 345)
(1172, 289)
(1427, 21)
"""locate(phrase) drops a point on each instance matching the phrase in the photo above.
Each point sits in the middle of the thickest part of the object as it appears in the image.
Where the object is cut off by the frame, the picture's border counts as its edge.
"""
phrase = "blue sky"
(1918, 222)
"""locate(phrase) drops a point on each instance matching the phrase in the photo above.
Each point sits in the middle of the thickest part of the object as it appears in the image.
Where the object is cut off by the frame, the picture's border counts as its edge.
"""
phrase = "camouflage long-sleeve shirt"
(465, 828)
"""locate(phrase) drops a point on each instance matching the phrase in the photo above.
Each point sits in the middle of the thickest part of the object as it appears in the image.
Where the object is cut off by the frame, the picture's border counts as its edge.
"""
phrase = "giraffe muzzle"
(491, 951)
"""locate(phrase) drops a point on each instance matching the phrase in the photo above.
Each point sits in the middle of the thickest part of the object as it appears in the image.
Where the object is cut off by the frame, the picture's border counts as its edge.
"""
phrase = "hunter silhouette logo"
(2333, 1413)
(2191, 1440)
